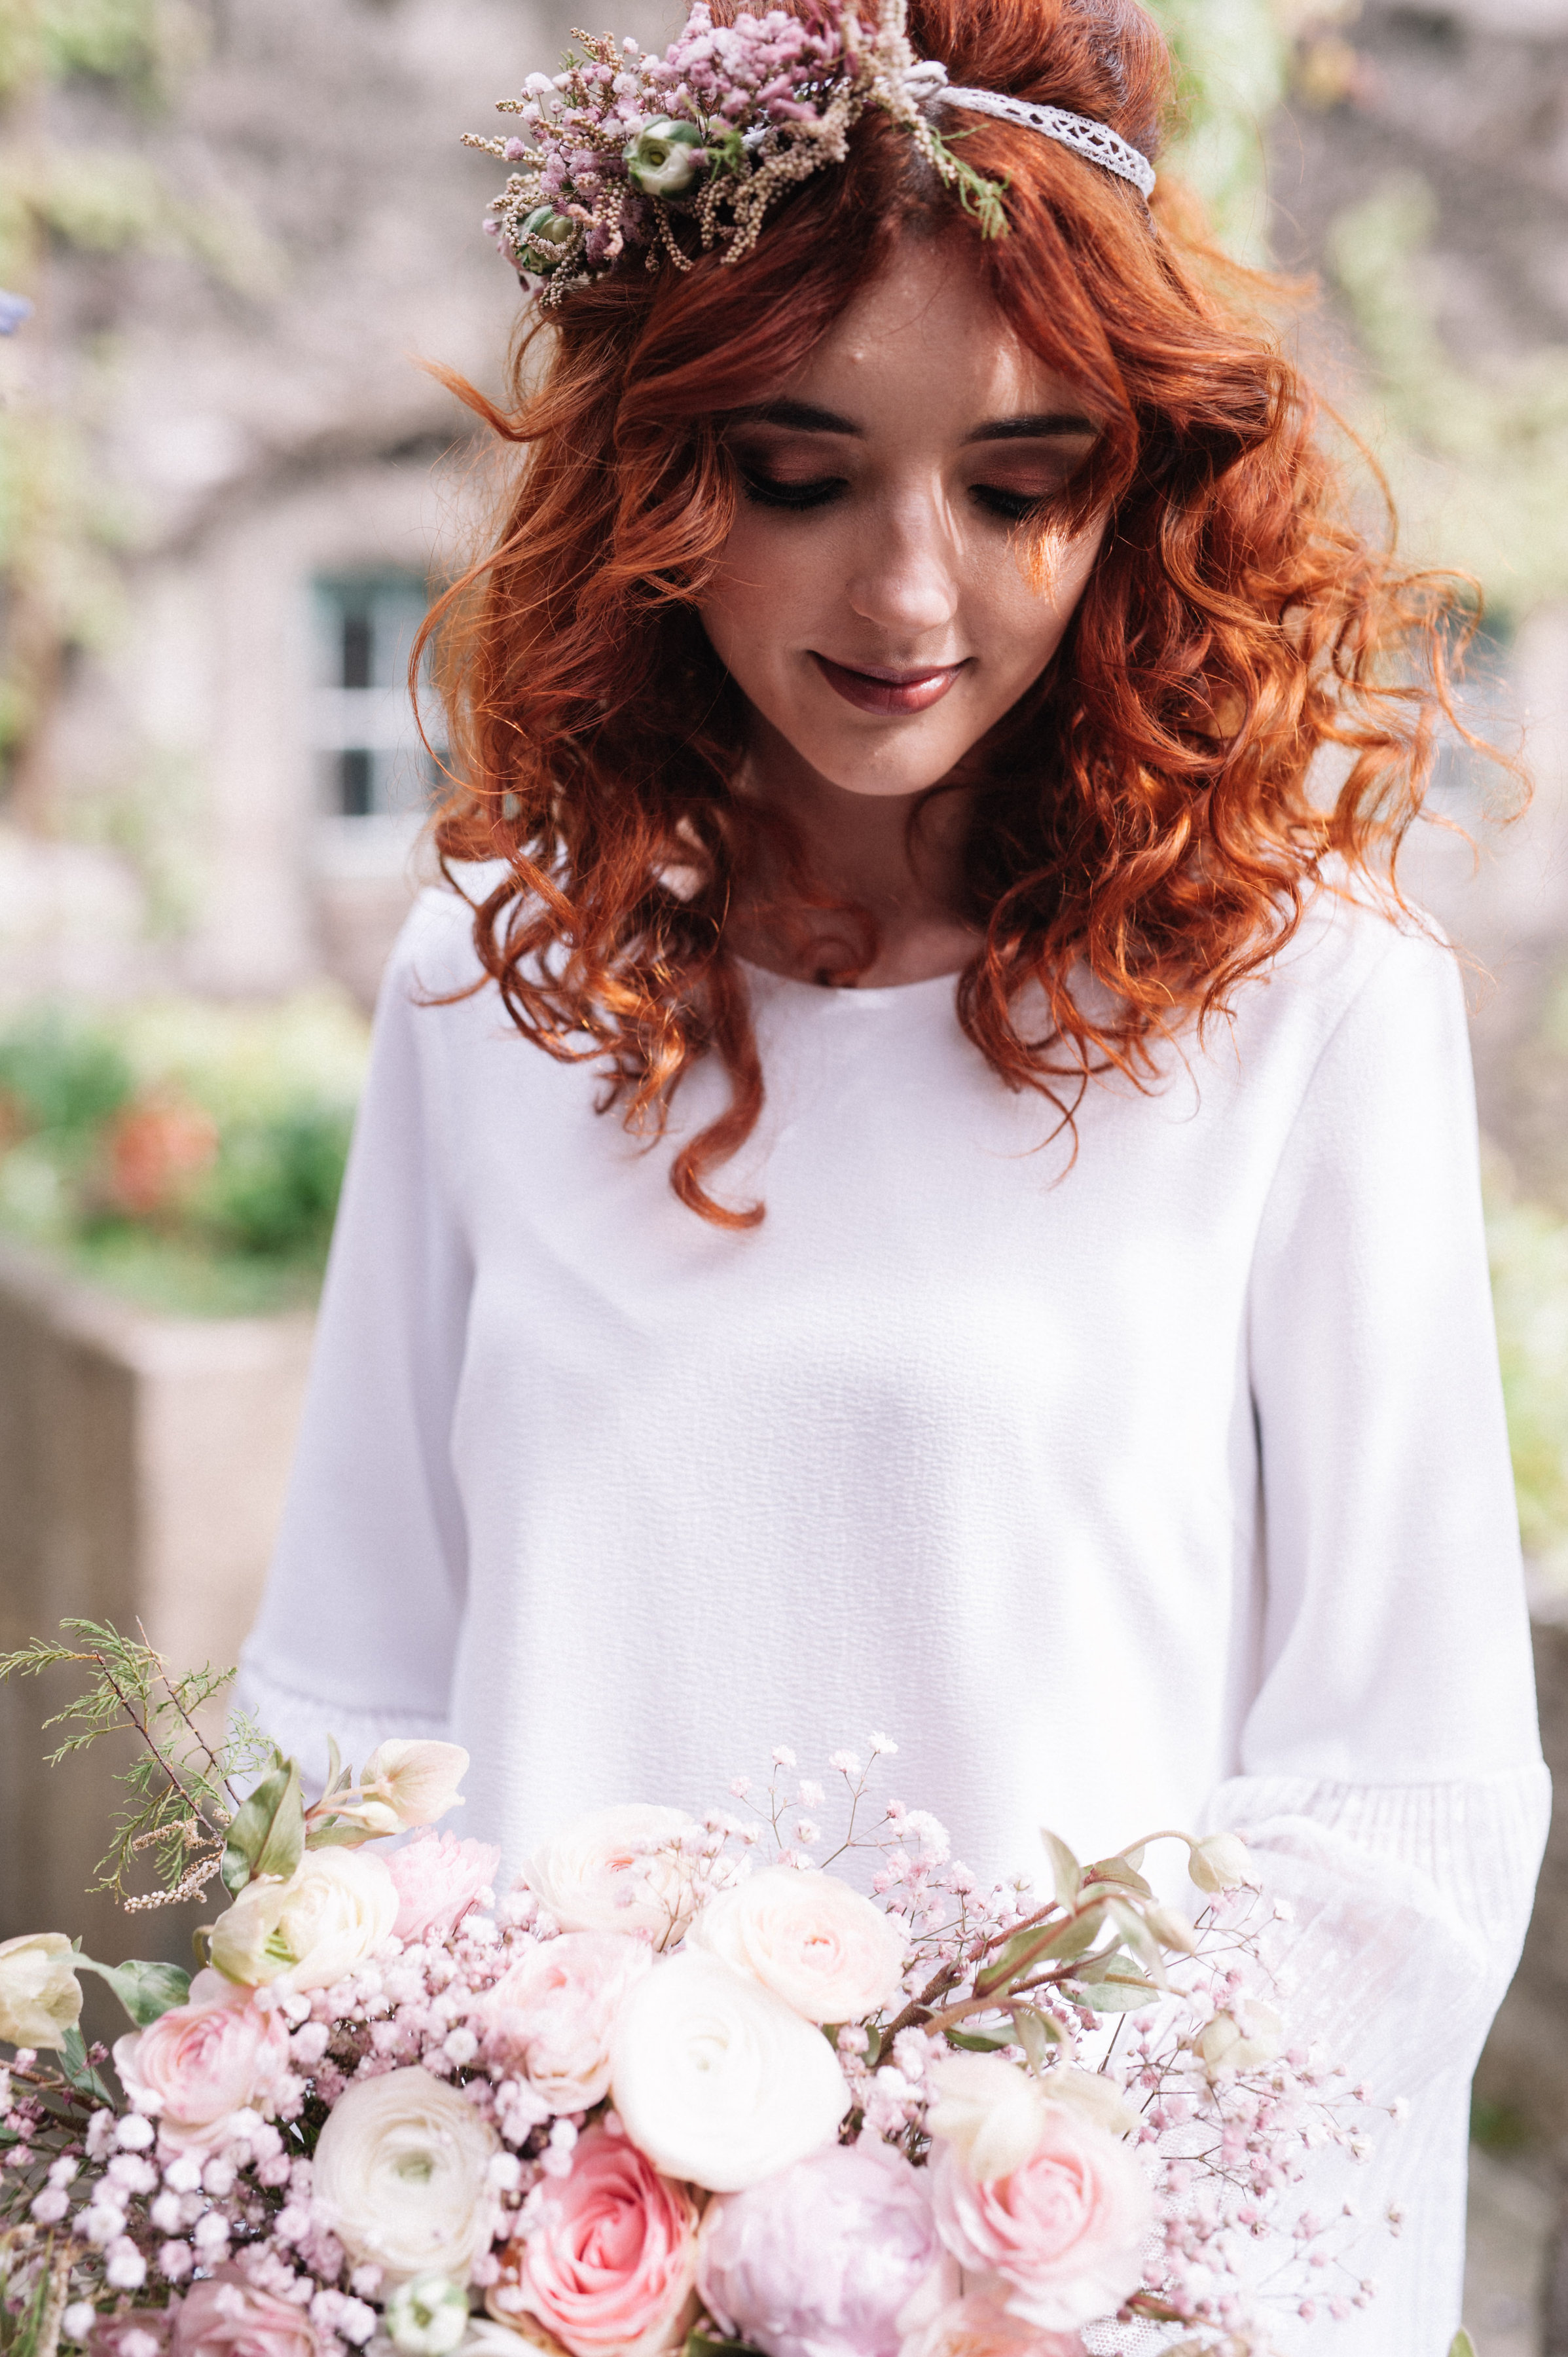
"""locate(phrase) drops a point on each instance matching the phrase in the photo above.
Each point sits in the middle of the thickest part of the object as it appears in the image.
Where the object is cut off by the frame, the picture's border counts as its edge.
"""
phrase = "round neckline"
(879, 994)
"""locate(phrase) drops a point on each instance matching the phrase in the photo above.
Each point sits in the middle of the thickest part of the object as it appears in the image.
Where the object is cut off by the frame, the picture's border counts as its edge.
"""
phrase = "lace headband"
(622, 145)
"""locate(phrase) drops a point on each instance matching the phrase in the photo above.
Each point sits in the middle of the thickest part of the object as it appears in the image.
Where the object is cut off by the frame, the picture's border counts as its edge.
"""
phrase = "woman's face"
(875, 600)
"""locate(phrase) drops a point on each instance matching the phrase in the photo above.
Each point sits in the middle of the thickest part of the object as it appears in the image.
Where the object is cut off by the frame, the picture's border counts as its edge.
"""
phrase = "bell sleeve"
(1391, 1783)
(359, 1623)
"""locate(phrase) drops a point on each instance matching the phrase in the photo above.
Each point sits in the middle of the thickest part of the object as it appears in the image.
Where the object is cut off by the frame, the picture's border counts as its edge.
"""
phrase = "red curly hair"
(1146, 817)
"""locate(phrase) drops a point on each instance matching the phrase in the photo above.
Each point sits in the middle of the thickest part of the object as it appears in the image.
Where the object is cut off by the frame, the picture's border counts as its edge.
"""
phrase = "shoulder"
(1354, 961)
(433, 954)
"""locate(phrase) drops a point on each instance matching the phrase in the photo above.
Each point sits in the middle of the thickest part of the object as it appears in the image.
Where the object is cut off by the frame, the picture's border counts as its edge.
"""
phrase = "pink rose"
(438, 1878)
(201, 2061)
(610, 2255)
(830, 2258)
(226, 2317)
(975, 2327)
(1061, 2237)
(551, 2017)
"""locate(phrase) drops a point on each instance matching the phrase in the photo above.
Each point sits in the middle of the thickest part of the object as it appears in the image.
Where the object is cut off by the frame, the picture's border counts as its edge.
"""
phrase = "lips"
(890, 693)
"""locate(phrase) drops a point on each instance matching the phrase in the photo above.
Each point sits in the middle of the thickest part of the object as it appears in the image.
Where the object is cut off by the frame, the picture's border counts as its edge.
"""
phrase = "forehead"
(925, 338)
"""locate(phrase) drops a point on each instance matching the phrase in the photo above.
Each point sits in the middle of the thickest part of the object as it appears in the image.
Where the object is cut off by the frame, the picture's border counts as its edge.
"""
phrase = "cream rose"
(40, 1996)
(552, 2016)
(717, 2080)
(598, 1875)
(400, 2176)
(338, 1907)
(826, 1951)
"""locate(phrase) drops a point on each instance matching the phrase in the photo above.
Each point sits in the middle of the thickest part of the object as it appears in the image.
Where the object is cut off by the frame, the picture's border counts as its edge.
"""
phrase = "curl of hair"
(1147, 818)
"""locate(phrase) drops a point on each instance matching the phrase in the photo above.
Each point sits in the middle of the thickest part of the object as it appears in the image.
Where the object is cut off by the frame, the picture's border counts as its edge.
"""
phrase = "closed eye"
(768, 492)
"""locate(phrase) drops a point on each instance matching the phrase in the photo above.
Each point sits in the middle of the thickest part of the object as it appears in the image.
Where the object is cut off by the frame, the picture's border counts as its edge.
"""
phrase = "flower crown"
(625, 143)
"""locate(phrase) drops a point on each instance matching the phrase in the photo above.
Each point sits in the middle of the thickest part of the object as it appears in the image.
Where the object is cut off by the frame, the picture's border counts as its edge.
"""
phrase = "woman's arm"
(359, 1623)
(1390, 1778)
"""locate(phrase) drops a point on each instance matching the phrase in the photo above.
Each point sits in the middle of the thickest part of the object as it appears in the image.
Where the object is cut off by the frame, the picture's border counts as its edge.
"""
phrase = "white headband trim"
(928, 81)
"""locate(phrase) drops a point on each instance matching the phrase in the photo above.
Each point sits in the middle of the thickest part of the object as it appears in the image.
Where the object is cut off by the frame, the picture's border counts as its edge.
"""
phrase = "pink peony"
(201, 2061)
(226, 2317)
(1061, 2239)
(551, 2016)
(975, 2327)
(610, 2255)
(830, 2258)
(438, 1878)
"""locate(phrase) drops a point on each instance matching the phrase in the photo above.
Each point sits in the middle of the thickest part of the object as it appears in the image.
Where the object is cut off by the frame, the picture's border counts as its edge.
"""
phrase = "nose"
(905, 578)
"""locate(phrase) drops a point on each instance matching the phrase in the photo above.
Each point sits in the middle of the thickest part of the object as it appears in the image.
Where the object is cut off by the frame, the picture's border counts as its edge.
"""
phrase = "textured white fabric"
(1162, 1484)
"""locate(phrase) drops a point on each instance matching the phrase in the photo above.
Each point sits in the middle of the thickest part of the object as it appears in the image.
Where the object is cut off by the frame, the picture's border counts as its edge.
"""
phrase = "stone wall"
(142, 1462)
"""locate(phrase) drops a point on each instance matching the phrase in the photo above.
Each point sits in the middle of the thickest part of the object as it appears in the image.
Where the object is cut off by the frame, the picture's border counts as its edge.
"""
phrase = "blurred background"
(227, 488)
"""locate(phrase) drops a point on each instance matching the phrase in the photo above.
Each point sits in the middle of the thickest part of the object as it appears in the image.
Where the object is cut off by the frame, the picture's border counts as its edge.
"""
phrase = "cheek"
(764, 587)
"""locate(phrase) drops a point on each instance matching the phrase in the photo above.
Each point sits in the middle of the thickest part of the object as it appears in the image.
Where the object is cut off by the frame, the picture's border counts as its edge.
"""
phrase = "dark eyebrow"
(1052, 425)
(799, 417)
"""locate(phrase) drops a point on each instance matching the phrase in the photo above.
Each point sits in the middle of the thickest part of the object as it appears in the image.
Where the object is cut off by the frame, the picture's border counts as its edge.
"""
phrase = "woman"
(991, 1247)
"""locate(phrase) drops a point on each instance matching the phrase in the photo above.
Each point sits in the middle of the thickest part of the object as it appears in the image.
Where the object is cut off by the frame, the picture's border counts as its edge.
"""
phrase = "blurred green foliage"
(1477, 465)
(1233, 60)
(1528, 1251)
(187, 1153)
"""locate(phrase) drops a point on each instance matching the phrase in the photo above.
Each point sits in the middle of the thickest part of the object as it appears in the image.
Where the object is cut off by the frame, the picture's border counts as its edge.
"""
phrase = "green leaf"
(77, 2069)
(1037, 2033)
(1120, 1870)
(267, 1835)
(1116, 1993)
(145, 1990)
(1463, 2345)
(1047, 1944)
(873, 2046)
(335, 1833)
(978, 2041)
(698, 2344)
(1139, 1938)
(1066, 1874)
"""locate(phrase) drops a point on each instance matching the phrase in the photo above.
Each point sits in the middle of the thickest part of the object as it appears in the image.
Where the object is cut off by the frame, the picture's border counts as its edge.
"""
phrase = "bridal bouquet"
(684, 2086)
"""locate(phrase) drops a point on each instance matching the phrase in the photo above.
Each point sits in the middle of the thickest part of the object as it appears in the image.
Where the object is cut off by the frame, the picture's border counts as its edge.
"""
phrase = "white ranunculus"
(597, 1873)
(40, 1996)
(811, 1939)
(717, 2080)
(401, 2175)
(1247, 2038)
(335, 1909)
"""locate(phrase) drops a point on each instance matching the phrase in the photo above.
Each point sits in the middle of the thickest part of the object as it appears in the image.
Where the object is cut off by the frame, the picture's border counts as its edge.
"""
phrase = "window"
(371, 763)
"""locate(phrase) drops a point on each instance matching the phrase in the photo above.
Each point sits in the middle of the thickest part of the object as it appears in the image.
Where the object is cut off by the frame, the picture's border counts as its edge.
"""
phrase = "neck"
(861, 849)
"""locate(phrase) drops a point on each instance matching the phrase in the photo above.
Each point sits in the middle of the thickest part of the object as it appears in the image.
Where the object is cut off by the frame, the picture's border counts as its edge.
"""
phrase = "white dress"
(1163, 1482)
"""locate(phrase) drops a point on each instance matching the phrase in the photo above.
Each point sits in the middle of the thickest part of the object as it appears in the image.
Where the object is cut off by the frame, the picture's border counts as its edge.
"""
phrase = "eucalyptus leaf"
(980, 2041)
(1066, 1874)
(267, 1835)
(145, 1990)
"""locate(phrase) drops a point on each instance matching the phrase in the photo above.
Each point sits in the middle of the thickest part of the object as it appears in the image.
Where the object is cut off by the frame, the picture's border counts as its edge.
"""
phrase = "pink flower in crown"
(609, 2256)
(438, 1879)
(226, 2317)
(552, 2016)
(200, 2063)
(836, 2257)
(1059, 2239)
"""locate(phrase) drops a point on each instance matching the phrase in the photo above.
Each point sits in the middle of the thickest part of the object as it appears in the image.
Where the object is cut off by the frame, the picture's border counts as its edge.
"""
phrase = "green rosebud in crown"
(665, 157)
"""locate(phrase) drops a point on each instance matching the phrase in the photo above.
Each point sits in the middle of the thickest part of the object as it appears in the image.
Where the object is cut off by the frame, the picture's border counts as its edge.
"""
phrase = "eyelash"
(763, 490)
